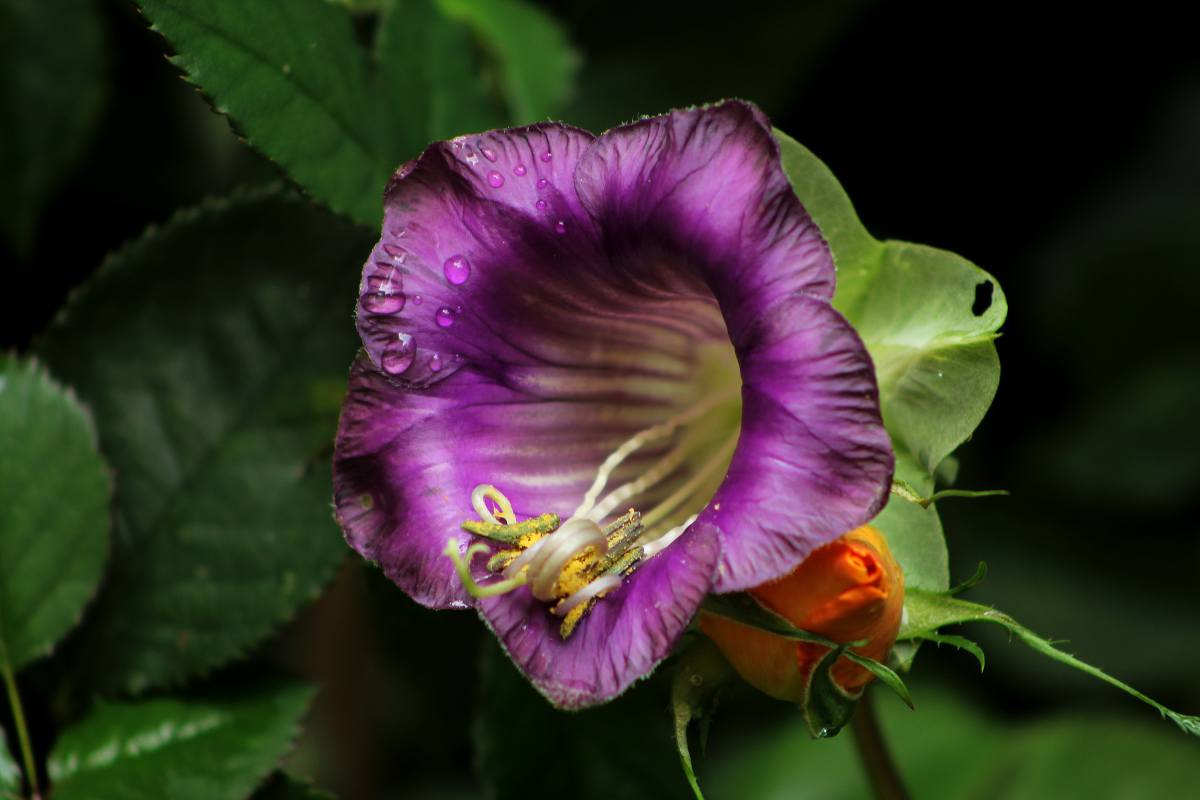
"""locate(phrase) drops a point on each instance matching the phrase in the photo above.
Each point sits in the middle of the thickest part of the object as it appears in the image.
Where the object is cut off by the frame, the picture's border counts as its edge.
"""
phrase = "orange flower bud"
(849, 590)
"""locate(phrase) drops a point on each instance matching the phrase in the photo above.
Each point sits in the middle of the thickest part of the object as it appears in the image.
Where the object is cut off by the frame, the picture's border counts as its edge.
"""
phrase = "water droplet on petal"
(541, 205)
(519, 170)
(394, 251)
(495, 179)
(417, 300)
(458, 309)
(560, 227)
(542, 183)
(383, 302)
(488, 153)
(457, 269)
(398, 355)
(435, 363)
(546, 156)
(444, 317)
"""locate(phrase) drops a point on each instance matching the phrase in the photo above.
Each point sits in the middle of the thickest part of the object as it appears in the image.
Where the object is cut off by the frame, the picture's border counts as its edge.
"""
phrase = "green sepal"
(926, 612)
(827, 706)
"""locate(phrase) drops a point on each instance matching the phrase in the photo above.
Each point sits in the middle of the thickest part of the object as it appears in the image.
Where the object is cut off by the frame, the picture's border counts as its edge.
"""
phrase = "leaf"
(51, 93)
(743, 608)
(10, 773)
(827, 707)
(696, 682)
(926, 612)
(429, 78)
(536, 62)
(295, 81)
(213, 353)
(54, 495)
(525, 748)
(216, 747)
(282, 786)
(960, 642)
(914, 534)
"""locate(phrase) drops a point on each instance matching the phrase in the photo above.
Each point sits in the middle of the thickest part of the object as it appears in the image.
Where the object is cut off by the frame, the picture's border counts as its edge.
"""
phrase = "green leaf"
(295, 81)
(282, 786)
(53, 522)
(429, 78)
(914, 534)
(525, 748)
(827, 707)
(960, 642)
(913, 307)
(536, 62)
(51, 92)
(213, 353)
(10, 773)
(926, 612)
(216, 747)
(696, 682)
(743, 608)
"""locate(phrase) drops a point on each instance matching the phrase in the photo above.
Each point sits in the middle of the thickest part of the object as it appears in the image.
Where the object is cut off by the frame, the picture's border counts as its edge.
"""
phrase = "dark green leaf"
(213, 353)
(51, 91)
(54, 495)
(536, 63)
(294, 79)
(827, 707)
(10, 773)
(960, 642)
(211, 748)
(429, 78)
(525, 748)
(282, 786)
(926, 612)
(698, 678)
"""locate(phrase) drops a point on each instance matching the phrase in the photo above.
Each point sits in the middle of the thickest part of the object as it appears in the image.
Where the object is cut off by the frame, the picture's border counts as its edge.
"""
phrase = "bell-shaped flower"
(601, 377)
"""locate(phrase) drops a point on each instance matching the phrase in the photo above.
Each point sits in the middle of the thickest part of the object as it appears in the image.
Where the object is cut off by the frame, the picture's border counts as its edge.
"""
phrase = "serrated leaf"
(51, 93)
(536, 62)
(216, 747)
(428, 78)
(10, 773)
(525, 748)
(926, 612)
(282, 786)
(54, 517)
(961, 643)
(213, 353)
(295, 80)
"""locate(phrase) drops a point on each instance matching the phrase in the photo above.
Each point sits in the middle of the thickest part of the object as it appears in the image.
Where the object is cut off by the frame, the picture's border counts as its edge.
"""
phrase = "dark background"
(1061, 152)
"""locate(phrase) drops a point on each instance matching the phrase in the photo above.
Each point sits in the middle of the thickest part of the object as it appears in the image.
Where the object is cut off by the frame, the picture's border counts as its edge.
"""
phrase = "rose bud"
(849, 590)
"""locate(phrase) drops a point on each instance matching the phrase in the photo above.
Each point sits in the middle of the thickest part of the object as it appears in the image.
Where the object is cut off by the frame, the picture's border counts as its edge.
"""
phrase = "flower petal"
(621, 639)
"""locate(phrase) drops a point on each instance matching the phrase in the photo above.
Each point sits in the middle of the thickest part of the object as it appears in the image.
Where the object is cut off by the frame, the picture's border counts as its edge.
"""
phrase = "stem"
(881, 770)
(14, 700)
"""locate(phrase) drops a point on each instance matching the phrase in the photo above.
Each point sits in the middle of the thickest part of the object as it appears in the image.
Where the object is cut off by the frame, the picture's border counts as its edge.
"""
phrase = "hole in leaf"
(983, 298)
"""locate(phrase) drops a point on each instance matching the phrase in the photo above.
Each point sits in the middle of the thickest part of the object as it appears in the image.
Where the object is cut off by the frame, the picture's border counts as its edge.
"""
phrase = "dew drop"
(383, 302)
(394, 251)
(488, 153)
(495, 179)
(444, 317)
(546, 156)
(541, 205)
(458, 309)
(560, 227)
(457, 269)
(519, 170)
(542, 183)
(435, 363)
(417, 300)
(398, 355)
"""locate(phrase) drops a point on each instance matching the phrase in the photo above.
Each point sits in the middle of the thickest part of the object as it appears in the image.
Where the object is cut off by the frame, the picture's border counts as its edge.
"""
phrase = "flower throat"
(572, 565)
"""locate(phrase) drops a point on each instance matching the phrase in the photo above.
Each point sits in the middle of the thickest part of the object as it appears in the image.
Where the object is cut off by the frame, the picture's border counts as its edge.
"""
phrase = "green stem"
(885, 779)
(18, 712)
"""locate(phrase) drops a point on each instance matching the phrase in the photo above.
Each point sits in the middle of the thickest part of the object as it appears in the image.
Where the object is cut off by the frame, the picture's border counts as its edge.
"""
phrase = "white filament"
(716, 461)
(660, 544)
(641, 438)
(605, 583)
(664, 467)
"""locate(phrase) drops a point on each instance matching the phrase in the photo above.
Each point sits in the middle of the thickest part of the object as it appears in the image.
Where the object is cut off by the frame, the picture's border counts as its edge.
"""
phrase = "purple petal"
(621, 639)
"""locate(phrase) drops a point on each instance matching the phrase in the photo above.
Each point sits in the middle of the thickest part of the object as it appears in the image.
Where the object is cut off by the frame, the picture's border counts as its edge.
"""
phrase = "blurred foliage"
(212, 350)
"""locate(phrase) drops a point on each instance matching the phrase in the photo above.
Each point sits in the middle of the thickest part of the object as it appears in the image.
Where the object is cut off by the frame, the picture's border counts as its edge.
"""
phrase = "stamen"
(660, 544)
(717, 461)
(664, 467)
(641, 438)
(463, 566)
(484, 492)
(541, 524)
(605, 583)
(572, 539)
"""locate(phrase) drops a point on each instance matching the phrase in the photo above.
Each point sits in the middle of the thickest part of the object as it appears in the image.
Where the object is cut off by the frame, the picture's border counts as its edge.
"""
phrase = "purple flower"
(602, 377)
